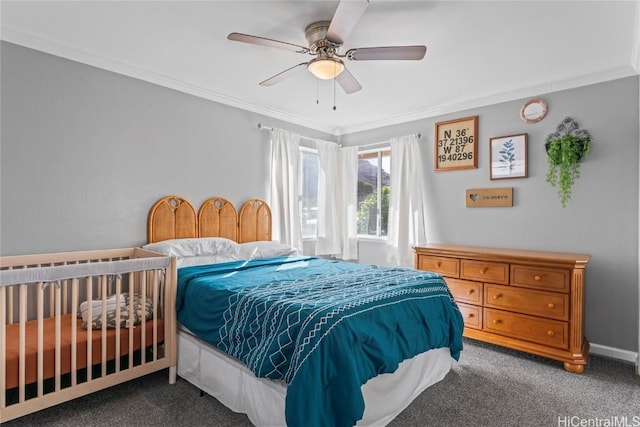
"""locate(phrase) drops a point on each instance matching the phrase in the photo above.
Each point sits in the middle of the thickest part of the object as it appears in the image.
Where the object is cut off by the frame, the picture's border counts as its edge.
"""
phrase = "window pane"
(385, 191)
(309, 191)
(373, 193)
(367, 194)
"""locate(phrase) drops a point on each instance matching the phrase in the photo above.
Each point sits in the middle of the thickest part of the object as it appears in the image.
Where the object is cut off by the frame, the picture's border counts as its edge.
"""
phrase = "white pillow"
(204, 259)
(204, 246)
(265, 249)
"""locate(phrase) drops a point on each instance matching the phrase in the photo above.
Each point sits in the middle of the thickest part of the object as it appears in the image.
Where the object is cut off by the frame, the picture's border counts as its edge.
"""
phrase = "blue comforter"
(324, 327)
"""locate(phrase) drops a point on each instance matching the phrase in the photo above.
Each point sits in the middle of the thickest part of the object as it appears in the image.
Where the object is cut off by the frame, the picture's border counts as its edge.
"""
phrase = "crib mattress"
(49, 342)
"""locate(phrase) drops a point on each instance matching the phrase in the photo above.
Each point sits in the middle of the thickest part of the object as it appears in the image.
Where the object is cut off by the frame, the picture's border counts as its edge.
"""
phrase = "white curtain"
(328, 226)
(285, 188)
(337, 200)
(407, 222)
(348, 173)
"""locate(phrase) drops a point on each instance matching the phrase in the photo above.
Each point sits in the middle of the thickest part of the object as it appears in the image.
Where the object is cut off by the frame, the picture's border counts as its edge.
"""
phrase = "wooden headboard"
(173, 217)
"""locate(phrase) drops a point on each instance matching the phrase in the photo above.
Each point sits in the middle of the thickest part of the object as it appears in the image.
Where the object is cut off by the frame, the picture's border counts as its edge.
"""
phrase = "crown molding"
(111, 64)
(496, 98)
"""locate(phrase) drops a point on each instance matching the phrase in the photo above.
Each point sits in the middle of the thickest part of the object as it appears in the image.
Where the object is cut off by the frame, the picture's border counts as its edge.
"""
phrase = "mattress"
(49, 343)
(263, 400)
(323, 327)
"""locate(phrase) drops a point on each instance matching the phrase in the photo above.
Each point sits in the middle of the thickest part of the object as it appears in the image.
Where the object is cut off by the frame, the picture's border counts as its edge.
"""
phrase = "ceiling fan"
(325, 40)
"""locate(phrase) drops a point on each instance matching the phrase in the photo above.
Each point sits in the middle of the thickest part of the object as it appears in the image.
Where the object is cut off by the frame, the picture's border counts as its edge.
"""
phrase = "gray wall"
(85, 152)
(601, 218)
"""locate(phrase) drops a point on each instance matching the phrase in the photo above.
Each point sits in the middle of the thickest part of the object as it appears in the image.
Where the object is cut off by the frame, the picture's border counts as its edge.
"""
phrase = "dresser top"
(518, 255)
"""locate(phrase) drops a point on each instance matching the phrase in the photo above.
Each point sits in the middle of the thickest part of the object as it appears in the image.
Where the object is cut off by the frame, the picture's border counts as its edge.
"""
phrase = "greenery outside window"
(373, 192)
(309, 168)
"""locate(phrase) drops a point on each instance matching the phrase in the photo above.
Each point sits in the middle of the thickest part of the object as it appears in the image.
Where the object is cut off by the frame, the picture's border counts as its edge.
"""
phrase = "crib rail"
(50, 352)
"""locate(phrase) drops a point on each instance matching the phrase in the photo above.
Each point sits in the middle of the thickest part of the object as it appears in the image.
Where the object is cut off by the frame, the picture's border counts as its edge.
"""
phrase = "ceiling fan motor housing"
(316, 34)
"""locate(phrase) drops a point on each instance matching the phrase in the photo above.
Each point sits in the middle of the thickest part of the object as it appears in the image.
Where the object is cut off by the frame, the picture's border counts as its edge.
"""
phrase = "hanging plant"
(565, 150)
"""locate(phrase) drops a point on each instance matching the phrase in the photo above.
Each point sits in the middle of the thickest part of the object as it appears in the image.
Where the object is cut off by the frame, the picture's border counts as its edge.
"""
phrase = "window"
(373, 192)
(308, 191)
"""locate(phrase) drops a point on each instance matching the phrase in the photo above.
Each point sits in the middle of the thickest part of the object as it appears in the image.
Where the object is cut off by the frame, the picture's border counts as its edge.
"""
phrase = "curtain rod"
(261, 127)
(373, 144)
(270, 129)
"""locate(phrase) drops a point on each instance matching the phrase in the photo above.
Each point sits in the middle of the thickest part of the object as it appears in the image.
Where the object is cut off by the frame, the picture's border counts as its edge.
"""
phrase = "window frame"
(377, 152)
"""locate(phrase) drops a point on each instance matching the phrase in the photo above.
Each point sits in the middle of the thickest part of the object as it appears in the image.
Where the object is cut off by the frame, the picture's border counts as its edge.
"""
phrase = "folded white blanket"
(96, 306)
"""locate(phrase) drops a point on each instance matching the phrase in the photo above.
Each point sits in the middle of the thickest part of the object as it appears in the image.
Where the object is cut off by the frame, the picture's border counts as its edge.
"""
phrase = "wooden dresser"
(530, 301)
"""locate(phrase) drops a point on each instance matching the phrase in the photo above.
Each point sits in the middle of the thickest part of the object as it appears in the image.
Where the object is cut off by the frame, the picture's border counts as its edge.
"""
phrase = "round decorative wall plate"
(533, 111)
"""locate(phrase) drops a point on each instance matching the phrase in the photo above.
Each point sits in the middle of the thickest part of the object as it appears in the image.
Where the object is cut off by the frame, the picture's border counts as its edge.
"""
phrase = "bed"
(77, 322)
(297, 340)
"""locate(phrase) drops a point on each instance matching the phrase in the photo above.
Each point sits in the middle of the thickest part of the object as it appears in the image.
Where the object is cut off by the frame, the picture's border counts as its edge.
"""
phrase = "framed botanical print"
(508, 156)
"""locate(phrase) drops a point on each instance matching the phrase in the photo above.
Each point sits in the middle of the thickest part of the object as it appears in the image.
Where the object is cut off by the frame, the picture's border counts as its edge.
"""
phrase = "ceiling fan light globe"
(325, 68)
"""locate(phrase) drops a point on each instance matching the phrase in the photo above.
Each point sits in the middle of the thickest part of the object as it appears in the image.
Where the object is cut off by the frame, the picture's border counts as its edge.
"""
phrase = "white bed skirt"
(263, 400)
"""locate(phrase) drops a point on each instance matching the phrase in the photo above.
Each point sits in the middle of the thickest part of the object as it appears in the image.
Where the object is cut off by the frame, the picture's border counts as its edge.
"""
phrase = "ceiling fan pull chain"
(317, 91)
(334, 86)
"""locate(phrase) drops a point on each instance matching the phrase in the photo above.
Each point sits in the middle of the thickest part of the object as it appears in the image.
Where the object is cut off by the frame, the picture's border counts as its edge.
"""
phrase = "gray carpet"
(489, 386)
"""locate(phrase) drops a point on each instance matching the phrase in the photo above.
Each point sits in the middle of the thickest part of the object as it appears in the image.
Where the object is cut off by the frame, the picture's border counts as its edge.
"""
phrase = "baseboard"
(614, 353)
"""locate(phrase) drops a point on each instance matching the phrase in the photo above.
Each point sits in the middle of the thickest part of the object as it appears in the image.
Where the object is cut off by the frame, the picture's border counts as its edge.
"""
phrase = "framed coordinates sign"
(456, 144)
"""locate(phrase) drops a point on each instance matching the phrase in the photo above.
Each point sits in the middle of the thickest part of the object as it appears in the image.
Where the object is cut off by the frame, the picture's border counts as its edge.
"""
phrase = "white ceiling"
(478, 52)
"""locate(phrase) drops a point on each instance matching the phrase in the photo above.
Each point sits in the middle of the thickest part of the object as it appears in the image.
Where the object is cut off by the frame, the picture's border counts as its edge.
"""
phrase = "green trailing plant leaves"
(564, 156)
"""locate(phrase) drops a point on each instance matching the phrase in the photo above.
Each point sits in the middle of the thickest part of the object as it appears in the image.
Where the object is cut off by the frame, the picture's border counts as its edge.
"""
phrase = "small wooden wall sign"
(489, 197)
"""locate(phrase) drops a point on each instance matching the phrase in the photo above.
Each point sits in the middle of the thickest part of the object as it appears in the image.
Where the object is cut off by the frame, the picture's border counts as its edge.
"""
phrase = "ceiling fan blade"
(348, 82)
(387, 53)
(246, 38)
(344, 19)
(283, 75)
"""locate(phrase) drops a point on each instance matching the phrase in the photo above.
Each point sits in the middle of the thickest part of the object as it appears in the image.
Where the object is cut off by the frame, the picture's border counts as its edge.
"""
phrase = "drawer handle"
(497, 322)
(550, 333)
(470, 291)
(483, 270)
(438, 264)
(551, 305)
(470, 315)
(496, 296)
(537, 278)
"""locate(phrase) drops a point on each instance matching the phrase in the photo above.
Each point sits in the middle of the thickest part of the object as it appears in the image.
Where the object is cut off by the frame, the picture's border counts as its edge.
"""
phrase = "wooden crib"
(49, 355)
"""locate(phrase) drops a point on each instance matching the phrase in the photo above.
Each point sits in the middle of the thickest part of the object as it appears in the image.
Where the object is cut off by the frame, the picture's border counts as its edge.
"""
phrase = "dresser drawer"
(552, 333)
(539, 303)
(472, 316)
(465, 290)
(540, 278)
(445, 266)
(494, 272)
